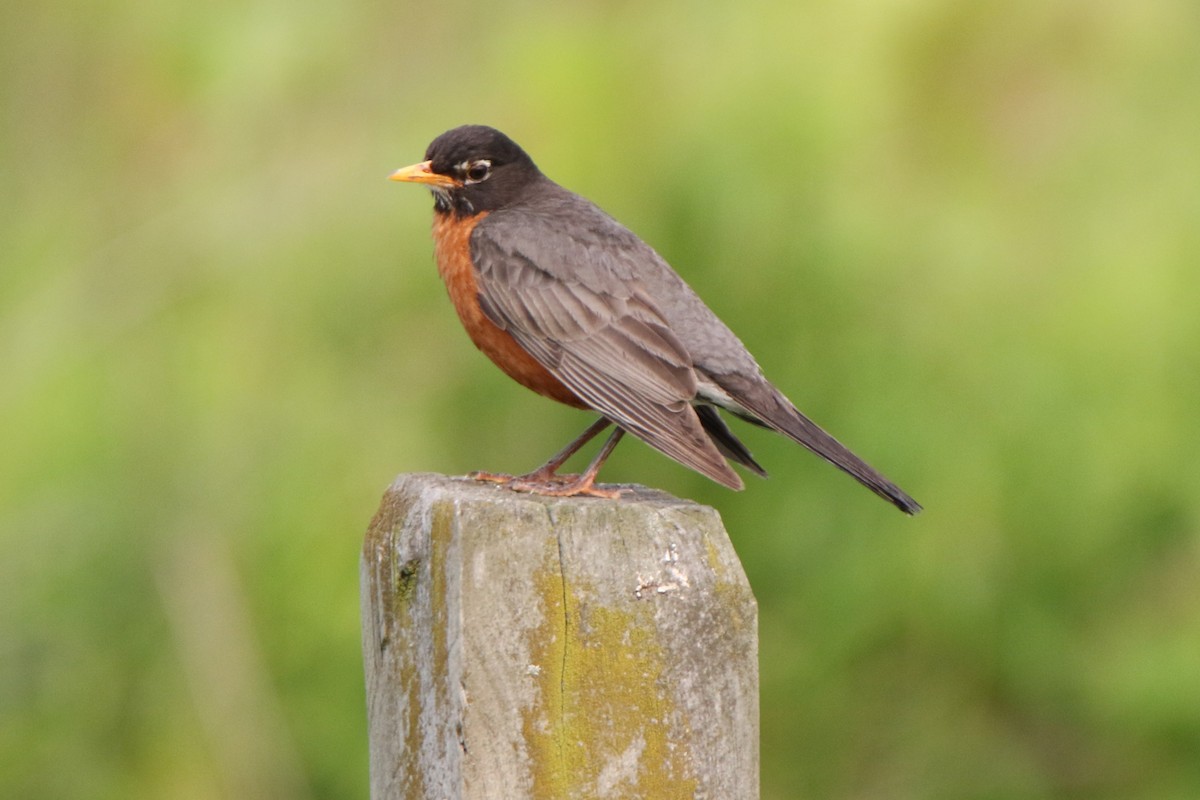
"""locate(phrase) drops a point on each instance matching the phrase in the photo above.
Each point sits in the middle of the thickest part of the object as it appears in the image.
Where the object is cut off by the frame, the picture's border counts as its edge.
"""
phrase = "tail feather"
(773, 409)
(730, 446)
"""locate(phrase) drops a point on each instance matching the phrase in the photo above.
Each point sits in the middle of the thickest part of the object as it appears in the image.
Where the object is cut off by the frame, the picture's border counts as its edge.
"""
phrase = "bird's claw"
(548, 484)
(564, 488)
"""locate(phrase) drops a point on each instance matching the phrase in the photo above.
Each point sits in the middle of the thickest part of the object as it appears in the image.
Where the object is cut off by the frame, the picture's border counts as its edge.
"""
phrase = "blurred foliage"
(964, 237)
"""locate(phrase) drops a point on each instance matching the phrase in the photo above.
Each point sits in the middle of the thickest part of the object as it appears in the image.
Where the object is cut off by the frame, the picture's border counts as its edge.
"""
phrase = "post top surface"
(461, 488)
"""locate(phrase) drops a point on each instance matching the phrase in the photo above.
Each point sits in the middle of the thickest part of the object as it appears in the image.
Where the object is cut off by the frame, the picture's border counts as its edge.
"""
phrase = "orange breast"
(452, 245)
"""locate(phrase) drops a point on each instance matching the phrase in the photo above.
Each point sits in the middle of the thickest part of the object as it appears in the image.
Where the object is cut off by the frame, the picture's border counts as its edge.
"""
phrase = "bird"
(573, 305)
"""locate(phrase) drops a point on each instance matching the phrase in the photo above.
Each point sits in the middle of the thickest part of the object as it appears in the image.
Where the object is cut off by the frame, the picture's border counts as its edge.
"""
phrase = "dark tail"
(730, 446)
(774, 410)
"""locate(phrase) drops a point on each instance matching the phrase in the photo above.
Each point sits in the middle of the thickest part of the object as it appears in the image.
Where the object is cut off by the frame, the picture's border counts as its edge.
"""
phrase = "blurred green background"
(964, 237)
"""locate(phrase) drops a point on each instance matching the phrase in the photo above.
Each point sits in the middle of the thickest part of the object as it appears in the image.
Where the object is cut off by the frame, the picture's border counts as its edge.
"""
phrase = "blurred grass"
(963, 237)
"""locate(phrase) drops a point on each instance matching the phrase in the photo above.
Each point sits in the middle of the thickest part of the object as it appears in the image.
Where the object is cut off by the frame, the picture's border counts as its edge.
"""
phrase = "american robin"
(571, 304)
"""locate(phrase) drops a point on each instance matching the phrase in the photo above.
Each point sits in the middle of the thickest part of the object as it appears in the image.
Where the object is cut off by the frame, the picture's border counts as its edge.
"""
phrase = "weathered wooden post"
(530, 647)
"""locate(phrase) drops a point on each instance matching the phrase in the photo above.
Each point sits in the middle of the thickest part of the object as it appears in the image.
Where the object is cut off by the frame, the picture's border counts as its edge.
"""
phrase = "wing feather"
(604, 339)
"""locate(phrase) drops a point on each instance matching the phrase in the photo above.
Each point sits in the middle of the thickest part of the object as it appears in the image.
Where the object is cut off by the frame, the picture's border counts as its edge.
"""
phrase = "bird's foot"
(548, 484)
(565, 486)
(492, 477)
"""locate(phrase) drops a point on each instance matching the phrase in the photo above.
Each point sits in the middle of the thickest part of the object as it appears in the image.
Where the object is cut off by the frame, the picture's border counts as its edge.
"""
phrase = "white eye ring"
(476, 171)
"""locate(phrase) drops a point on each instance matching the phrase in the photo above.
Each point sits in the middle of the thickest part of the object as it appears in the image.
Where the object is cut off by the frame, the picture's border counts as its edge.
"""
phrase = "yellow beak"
(423, 173)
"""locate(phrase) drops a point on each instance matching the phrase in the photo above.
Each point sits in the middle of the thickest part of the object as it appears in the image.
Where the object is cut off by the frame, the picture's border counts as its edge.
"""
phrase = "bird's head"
(472, 169)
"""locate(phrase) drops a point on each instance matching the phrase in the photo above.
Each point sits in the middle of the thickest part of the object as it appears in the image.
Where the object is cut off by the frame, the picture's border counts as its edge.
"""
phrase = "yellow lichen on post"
(602, 720)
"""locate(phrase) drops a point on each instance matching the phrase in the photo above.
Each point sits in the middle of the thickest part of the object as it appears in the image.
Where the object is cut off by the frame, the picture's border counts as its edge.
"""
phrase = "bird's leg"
(584, 484)
(547, 472)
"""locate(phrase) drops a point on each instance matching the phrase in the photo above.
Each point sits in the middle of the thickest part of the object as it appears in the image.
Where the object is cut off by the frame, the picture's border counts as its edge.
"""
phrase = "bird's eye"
(478, 171)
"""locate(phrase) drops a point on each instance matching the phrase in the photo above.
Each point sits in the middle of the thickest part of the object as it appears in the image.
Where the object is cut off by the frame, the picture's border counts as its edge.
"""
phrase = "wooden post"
(530, 647)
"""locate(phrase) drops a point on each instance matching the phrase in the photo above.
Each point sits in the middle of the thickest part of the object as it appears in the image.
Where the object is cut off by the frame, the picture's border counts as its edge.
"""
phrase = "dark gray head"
(472, 169)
